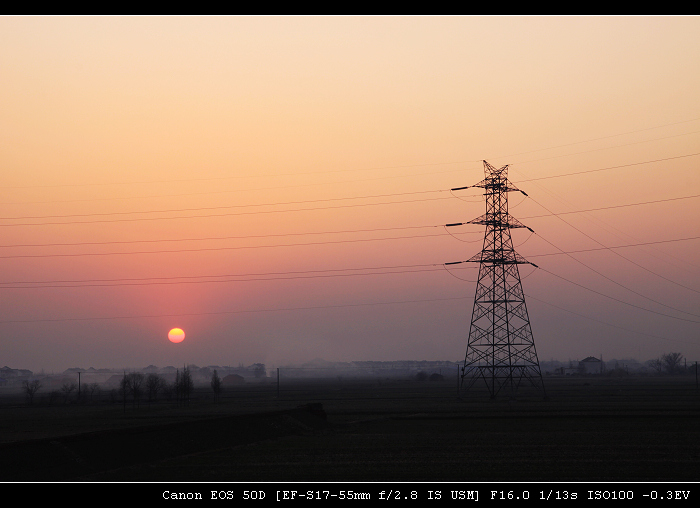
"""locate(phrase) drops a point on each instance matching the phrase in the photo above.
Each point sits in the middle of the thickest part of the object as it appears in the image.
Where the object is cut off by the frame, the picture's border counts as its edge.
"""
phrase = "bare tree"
(136, 386)
(669, 363)
(94, 390)
(125, 388)
(168, 390)
(132, 384)
(53, 396)
(187, 384)
(184, 385)
(67, 389)
(672, 362)
(30, 388)
(656, 365)
(216, 384)
(154, 385)
(177, 387)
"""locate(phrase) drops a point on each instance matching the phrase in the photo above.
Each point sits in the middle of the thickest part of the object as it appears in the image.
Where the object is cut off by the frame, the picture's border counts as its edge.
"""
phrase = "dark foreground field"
(588, 429)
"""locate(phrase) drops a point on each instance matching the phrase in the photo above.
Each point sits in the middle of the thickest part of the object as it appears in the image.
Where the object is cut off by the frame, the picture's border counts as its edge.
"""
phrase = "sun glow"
(176, 335)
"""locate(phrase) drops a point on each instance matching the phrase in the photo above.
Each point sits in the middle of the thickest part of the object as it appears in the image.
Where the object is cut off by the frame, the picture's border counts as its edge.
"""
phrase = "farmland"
(586, 429)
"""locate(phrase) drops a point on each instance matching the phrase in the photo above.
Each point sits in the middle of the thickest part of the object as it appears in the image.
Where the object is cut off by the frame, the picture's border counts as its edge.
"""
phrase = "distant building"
(6, 372)
(14, 377)
(232, 380)
(591, 365)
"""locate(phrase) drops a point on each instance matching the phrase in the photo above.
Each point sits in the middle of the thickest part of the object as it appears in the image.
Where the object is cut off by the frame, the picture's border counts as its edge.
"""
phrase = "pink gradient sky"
(227, 139)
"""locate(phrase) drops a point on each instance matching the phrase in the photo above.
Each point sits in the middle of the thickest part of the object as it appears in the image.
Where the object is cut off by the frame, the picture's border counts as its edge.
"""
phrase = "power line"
(610, 167)
(608, 324)
(238, 237)
(257, 175)
(301, 209)
(621, 256)
(220, 214)
(618, 254)
(328, 232)
(618, 231)
(594, 249)
(254, 274)
(608, 278)
(619, 300)
(143, 280)
(229, 312)
(208, 249)
(225, 207)
(199, 279)
(240, 247)
(337, 232)
(611, 206)
(604, 276)
(298, 202)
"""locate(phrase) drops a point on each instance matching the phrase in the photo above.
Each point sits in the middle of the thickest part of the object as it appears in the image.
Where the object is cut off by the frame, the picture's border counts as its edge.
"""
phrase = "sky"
(278, 187)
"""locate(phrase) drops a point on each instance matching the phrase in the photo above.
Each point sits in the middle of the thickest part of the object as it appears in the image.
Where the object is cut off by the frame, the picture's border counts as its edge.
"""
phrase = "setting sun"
(176, 335)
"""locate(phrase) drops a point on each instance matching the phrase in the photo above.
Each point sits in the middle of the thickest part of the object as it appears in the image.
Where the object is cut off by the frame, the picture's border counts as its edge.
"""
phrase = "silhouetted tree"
(132, 384)
(656, 365)
(672, 363)
(94, 390)
(168, 390)
(124, 388)
(53, 396)
(154, 385)
(136, 387)
(30, 388)
(67, 389)
(183, 385)
(216, 384)
(669, 363)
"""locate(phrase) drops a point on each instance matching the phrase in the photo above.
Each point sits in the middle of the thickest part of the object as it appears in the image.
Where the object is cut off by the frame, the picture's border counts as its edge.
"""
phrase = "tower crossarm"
(499, 184)
(499, 257)
(498, 221)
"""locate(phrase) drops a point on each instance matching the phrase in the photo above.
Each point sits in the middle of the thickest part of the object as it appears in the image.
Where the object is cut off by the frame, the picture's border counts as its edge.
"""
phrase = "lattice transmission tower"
(501, 348)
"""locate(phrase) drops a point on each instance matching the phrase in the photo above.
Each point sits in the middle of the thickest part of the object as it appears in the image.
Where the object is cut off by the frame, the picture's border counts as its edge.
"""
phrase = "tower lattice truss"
(501, 349)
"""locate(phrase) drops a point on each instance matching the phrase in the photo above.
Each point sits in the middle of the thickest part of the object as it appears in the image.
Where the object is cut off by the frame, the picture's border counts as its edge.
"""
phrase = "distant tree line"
(69, 390)
(134, 388)
(669, 363)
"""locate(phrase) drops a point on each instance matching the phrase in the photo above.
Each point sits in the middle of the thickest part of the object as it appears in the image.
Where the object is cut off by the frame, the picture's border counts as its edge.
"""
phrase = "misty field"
(587, 429)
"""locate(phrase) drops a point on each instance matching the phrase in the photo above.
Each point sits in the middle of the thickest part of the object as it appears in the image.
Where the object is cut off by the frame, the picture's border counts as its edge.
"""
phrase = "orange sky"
(286, 145)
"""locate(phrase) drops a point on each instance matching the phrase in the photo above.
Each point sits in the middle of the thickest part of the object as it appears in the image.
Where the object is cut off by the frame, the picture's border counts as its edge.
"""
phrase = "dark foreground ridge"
(115, 453)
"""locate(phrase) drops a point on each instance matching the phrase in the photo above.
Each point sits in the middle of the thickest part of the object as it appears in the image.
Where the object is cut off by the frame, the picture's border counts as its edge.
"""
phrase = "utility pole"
(501, 348)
